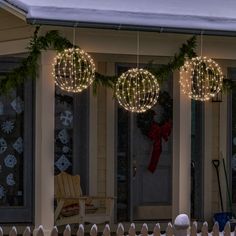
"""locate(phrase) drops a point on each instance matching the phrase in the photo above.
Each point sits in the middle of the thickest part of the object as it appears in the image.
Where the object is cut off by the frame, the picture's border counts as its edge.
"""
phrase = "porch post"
(44, 144)
(181, 150)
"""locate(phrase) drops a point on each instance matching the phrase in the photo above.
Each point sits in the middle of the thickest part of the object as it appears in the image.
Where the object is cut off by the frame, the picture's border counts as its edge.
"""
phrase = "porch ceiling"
(212, 16)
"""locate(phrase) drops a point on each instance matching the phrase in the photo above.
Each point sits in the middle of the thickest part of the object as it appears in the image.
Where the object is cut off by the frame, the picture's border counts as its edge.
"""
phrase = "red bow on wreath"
(156, 134)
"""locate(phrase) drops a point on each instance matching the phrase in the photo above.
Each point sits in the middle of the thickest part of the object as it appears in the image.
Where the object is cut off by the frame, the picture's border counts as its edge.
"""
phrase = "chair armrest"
(99, 197)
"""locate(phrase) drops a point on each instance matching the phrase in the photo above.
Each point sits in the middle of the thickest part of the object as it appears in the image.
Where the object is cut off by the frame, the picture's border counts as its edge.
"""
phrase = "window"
(232, 136)
(16, 150)
(71, 134)
(197, 153)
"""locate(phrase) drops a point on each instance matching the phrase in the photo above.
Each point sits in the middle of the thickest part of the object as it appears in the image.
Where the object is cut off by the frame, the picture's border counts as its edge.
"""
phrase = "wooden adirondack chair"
(72, 207)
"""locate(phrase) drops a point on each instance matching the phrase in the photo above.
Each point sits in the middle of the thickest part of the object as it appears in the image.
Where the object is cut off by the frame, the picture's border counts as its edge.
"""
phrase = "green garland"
(52, 40)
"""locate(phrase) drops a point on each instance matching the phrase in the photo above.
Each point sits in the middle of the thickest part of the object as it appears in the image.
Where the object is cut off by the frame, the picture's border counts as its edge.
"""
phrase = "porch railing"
(181, 227)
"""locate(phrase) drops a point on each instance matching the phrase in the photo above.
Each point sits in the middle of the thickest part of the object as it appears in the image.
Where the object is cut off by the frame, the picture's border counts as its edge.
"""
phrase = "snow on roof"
(186, 14)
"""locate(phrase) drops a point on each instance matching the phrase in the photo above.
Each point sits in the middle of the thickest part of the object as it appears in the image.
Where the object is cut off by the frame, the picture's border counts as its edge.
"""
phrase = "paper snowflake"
(63, 136)
(66, 117)
(62, 163)
(18, 145)
(7, 126)
(10, 161)
(18, 105)
(65, 149)
(10, 180)
(3, 145)
(2, 192)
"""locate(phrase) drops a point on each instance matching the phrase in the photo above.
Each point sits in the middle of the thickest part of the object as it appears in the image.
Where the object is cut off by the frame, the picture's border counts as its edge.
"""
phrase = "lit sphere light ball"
(137, 90)
(73, 70)
(201, 78)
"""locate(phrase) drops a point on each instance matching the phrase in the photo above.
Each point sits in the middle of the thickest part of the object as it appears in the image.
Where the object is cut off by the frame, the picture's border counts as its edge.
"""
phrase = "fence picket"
(106, 231)
(13, 231)
(132, 231)
(27, 231)
(80, 231)
(157, 230)
(120, 230)
(39, 231)
(205, 229)
(94, 230)
(54, 231)
(227, 229)
(215, 230)
(144, 230)
(1, 231)
(193, 230)
(67, 231)
(169, 230)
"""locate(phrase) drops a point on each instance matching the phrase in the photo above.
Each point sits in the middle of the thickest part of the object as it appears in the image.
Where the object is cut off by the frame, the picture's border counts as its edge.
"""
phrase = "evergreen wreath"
(157, 131)
(53, 40)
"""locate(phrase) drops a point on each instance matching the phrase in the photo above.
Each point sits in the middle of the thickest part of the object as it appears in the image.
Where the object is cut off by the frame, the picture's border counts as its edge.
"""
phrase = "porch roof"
(203, 15)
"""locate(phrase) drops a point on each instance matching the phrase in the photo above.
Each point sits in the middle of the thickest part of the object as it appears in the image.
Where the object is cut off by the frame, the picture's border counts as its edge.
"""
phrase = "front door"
(142, 194)
(151, 191)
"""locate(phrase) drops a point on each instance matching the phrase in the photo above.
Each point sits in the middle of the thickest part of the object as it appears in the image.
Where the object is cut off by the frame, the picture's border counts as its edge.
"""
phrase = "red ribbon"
(156, 133)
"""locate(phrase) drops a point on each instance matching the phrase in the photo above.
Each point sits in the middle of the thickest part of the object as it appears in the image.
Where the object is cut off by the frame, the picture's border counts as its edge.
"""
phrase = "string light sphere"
(201, 78)
(137, 90)
(73, 70)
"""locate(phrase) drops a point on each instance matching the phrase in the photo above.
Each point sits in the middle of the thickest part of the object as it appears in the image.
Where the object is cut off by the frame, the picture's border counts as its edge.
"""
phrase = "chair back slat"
(67, 185)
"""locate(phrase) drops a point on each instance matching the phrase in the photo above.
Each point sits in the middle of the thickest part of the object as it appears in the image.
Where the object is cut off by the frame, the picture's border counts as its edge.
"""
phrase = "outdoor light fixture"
(137, 90)
(73, 70)
(201, 78)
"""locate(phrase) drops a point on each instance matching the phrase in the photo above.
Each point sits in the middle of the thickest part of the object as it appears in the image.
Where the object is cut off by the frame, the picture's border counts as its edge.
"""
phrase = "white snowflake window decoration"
(7, 126)
(18, 105)
(18, 145)
(66, 118)
(3, 145)
(62, 163)
(65, 149)
(63, 136)
(2, 192)
(10, 161)
(10, 180)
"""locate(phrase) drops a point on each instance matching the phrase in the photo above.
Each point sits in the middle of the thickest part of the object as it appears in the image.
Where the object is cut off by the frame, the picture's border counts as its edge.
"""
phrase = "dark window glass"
(232, 135)
(71, 134)
(197, 141)
(16, 149)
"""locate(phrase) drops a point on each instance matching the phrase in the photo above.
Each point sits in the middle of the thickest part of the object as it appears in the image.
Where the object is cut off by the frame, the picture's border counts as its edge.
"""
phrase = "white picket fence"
(181, 227)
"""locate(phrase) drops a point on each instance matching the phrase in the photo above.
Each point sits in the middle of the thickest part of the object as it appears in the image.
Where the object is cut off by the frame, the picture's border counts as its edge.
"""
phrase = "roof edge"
(19, 10)
(94, 18)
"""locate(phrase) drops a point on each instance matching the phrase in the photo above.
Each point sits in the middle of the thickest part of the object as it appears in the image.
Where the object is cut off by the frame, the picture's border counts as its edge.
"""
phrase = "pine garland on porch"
(53, 40)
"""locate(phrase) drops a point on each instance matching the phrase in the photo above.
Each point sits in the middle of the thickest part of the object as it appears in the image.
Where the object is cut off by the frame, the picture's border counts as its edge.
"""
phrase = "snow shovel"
(227, 185)
(216, 164)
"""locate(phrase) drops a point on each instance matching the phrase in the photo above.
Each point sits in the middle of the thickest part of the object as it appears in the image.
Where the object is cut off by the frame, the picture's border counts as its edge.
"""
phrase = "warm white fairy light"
(201, 78)
(73, 70)
(137, 90)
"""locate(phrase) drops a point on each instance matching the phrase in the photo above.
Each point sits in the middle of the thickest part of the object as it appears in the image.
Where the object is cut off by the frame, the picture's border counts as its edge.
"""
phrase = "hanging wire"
(201, 42)
(74, 29)
(137, 49)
